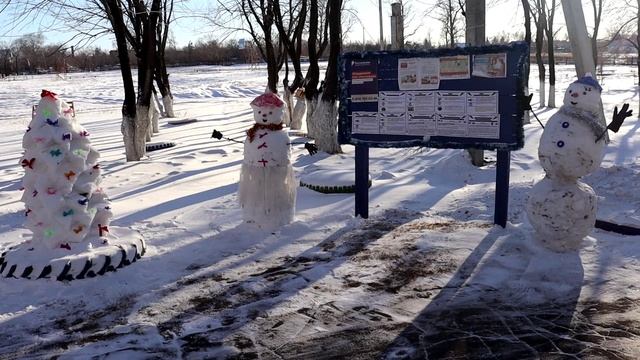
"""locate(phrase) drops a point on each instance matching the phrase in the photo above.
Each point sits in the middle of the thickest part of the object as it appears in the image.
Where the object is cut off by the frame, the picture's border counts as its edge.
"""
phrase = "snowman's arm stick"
(218, 135)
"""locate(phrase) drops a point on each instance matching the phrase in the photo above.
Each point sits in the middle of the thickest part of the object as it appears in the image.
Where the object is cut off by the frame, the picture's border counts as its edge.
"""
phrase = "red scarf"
(251, 133)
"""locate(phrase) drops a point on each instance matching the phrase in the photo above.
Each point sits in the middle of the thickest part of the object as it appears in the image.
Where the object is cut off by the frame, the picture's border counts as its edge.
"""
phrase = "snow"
(427, 268)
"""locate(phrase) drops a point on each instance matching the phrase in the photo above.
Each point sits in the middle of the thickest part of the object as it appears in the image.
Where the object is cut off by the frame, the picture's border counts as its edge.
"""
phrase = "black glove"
(216, 134)
(618, 117)
(526, 101)
(311, 148)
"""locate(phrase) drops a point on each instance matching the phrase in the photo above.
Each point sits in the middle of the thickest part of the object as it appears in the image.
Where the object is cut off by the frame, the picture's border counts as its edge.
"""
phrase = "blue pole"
(502, 188)
(362, 181)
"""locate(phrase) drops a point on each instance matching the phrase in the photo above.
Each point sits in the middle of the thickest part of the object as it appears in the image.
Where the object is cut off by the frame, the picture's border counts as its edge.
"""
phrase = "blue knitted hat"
(588, 79)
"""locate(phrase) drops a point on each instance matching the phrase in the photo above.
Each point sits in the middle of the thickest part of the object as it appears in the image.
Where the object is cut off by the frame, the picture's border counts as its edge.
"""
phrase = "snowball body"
(562, 213)
(567, 146)
(267, 188)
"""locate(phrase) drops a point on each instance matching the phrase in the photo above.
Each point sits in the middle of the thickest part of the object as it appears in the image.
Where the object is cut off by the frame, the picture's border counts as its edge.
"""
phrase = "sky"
(503, 16)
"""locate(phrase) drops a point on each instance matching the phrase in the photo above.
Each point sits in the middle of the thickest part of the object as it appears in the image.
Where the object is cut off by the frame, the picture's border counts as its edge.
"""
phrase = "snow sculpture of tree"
(64, 204)
(65, 207)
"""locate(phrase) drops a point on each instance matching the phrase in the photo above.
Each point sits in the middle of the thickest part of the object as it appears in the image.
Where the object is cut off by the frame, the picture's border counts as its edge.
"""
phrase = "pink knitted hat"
(267, 100)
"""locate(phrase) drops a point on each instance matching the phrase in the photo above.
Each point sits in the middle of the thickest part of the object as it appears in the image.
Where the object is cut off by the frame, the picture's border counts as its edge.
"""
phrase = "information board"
(445, 98)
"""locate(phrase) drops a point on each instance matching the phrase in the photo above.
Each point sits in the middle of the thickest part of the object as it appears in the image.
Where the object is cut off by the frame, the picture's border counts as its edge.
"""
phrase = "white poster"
(484, 126)
(452, 125)
(408, 74)
(421, 111)
(482, 102)
(365, 122)
(490, 65)
(482, 109)
(451, 103)
(418, 73)
(392, 112)
(454, 67)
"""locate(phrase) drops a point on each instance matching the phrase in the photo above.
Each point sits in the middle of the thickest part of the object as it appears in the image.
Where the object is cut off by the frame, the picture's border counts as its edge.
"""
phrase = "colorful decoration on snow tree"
(66, 210)
(561, 208)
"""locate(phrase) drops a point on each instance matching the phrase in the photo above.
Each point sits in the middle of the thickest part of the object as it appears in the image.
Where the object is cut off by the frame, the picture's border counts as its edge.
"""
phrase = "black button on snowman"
(562, 209)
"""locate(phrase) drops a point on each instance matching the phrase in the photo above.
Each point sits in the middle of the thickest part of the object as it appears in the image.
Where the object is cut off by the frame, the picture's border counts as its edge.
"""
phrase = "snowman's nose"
(264, 115)
(575, 95)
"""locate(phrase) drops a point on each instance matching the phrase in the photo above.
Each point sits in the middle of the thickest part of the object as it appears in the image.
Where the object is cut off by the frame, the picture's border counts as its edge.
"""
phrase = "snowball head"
(562, 214)
(583, 96)
(267, 115)
(568, 149)
(268, 108)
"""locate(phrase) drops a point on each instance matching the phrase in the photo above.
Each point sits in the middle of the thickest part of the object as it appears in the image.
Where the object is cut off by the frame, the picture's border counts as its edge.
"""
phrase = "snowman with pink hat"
(267, 189)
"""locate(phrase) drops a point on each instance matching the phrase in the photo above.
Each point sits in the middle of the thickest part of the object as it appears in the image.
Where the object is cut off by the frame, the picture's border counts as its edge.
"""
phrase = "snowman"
(267, 189)
(561, 208)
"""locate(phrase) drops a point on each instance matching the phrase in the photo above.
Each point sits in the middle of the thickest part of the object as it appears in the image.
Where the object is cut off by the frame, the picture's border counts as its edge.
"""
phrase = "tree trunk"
(539, 60)
(326, 120)
(155, 116)
(313, 72)
(272, 68)
(527, 38)
(128, 126)
(162, 81)
(298, 112)
(327, 111)
(288, 111)
(551, 53)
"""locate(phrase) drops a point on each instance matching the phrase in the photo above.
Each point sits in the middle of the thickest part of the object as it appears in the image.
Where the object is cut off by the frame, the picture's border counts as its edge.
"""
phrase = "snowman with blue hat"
(561, 208)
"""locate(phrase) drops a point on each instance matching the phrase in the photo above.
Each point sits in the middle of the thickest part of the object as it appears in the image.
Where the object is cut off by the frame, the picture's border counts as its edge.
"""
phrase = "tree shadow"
(509, 299)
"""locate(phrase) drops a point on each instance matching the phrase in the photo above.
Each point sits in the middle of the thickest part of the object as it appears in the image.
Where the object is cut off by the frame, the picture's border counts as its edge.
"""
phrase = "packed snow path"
(427, 275)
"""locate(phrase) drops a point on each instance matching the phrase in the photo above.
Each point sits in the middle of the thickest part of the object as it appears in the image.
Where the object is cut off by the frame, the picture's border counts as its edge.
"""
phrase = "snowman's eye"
(560, 143)
(565, 124)
(259, 112)
(570, 91)
(270, 113)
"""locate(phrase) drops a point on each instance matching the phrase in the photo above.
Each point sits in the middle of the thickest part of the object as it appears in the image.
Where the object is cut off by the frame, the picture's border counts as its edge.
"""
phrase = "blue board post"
(502, 188)
(362, 181)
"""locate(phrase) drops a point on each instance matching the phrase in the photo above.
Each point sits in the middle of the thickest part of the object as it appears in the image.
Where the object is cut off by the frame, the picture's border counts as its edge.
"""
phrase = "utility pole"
(580, 44)
(474, 36)
(397, 26)
(381, 34)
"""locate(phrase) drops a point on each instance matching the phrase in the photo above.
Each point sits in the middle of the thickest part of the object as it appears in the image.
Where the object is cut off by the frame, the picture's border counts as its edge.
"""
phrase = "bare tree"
(450, 15)
(134, 138)
(257, 18)
(597, 6)
(326, 115)
(527, 38)
(290, 24)
(317, 40)
(161, 74)
(550, 13)
(629, 29)
(538, 14)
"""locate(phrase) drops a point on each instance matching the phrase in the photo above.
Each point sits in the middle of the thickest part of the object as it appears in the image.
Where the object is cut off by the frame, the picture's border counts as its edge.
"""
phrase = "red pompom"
(47, 93)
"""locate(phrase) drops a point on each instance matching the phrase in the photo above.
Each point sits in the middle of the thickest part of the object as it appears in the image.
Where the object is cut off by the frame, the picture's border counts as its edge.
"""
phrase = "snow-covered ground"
(428, 275)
